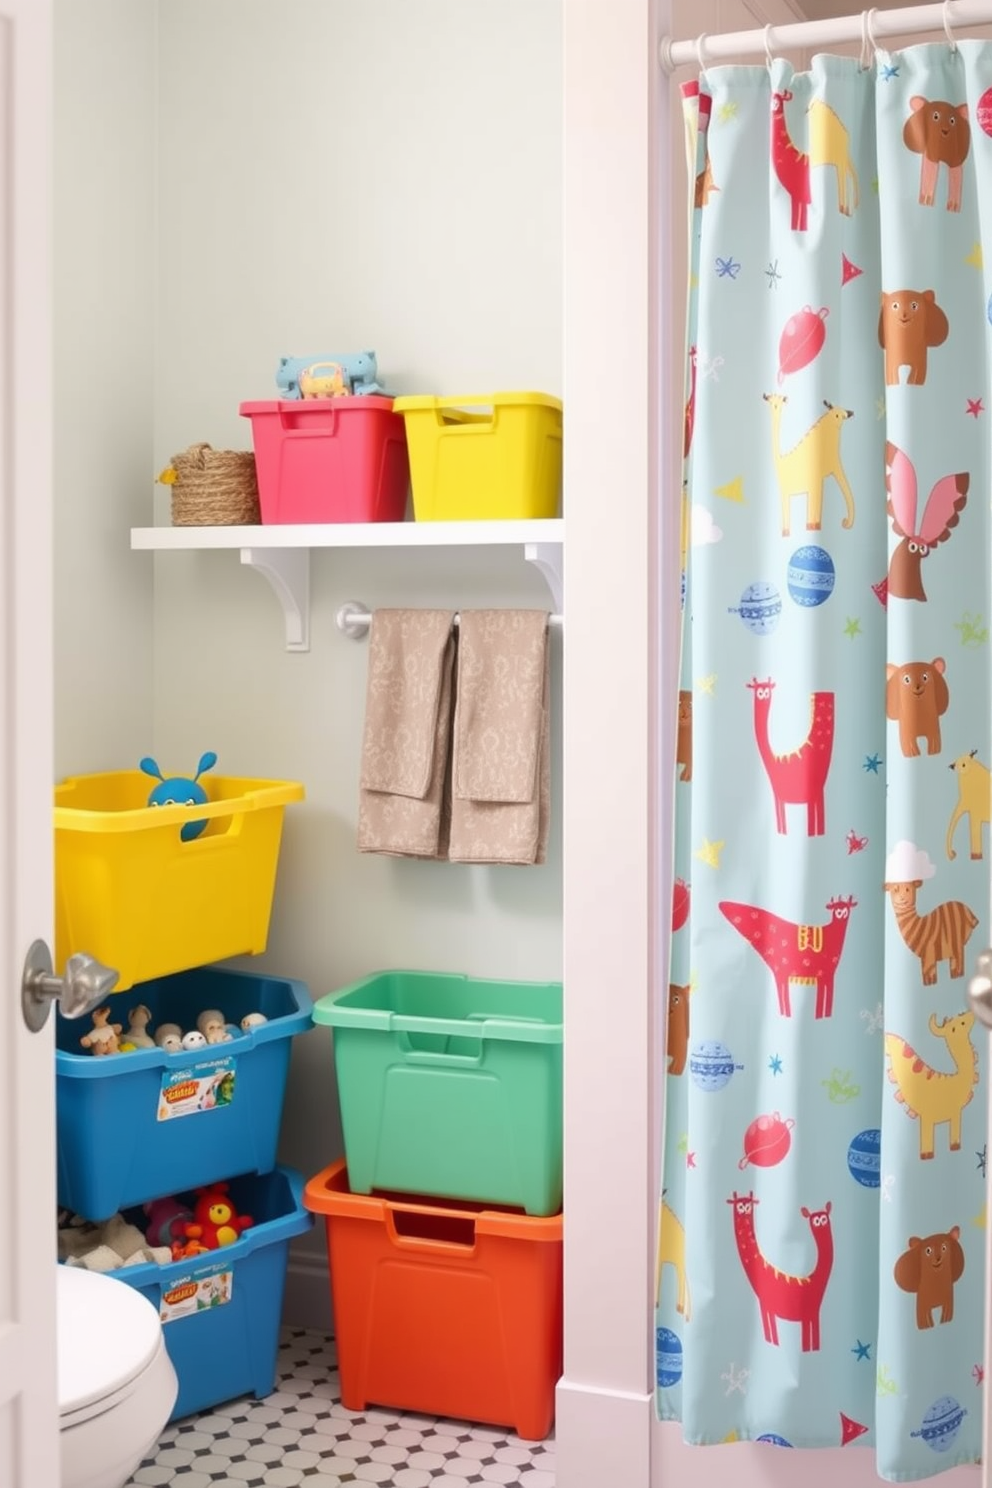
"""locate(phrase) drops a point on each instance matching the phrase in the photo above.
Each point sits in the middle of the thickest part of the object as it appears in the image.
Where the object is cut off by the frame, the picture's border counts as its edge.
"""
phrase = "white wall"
(335, 177)
(103, 279)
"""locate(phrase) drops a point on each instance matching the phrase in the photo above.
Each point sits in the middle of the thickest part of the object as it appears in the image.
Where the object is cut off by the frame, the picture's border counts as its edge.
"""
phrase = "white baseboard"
(306, 1301)
(602, 1437)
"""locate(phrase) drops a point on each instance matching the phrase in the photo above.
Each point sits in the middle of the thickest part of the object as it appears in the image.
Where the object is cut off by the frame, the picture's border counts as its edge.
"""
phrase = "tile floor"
(302, 1434)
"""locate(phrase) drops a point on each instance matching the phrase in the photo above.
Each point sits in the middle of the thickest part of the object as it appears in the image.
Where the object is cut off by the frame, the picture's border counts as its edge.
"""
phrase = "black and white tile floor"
(302, 1435)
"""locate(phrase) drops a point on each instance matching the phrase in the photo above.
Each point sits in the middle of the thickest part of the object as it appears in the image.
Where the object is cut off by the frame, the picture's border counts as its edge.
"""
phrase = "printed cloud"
(907, 862)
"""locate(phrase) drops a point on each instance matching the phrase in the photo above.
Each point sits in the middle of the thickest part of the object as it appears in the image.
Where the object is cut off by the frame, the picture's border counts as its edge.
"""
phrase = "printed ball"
(766, 1141)
(811, 576)
(941, 1424)
(983, 113)
(801, 340)
(760, 607)
(864, 1158)
(773, 1440)
(668, 1357)
(711, 1064)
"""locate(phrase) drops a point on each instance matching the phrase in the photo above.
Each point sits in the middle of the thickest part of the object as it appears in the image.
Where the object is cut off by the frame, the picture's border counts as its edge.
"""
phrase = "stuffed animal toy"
(216, 1222)
(179, 790)
(166, 1218)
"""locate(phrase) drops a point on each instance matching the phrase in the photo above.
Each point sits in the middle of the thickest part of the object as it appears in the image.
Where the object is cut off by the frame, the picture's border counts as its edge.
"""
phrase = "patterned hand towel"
(500, 792)
(407, 728)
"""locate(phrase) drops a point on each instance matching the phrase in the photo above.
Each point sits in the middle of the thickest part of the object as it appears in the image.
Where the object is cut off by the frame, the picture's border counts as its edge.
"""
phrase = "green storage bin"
(450, 1086)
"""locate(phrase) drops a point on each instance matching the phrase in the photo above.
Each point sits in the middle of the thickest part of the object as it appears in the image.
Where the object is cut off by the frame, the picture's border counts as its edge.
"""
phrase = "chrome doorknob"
(85, 983)
(980, 989)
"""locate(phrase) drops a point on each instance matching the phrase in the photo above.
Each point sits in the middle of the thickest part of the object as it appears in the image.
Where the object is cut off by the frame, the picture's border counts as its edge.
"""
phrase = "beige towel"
(500, 793)
(407, 727)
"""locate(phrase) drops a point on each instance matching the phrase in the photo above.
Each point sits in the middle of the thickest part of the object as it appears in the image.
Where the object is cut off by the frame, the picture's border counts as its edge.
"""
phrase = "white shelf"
(282, 553)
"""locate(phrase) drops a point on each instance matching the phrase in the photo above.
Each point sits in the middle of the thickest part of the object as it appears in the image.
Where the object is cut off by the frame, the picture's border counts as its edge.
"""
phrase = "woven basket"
(214, 488)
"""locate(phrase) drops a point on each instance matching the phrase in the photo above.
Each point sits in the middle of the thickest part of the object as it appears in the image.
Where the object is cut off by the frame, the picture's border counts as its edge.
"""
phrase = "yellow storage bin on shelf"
(484, 458)
(131, 892)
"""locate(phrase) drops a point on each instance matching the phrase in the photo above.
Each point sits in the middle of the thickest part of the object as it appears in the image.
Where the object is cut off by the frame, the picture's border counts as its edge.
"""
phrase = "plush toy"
(103, 1039)
(213, 1027)
(137, 1028)
(252, 1020)
(169, 1036)
(216, 1222)
(166, 1218)
(194, 1039)
(179, 790)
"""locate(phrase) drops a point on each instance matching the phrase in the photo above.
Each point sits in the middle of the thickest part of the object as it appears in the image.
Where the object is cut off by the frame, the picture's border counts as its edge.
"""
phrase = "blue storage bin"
(137, 1126)
(221, 1311)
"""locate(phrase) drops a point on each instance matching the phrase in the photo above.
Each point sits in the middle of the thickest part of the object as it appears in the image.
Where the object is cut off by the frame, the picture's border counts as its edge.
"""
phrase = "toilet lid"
(107, 1334)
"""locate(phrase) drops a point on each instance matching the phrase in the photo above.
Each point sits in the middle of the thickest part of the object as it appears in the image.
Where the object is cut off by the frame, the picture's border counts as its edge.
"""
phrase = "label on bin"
(207, 1286)
(202, 1087)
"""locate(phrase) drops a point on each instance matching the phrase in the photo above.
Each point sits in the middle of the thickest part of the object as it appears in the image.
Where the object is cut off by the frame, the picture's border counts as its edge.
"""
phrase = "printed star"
(982, 1158)
(690, 1159)
(707, 684)
(975, 258)
(874, 184)
(978, 1371)
(772, 275)
(975, 407)
(885, 1384)
(879, 408)
(728, 111)
(710, 852)
(735, 1379)
(873, 1019)
(862, 1351)
(775, 1064)
(683, 1143)
(979, 1219)
(852, 627)
(889, 72)
(872, 762)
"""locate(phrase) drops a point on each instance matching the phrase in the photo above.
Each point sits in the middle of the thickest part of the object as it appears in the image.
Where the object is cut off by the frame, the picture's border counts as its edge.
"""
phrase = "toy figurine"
(179, 790)
(216, 1222)
(252, 1020)
(137, 1028)
(194, 1039)
(103, 1038)
(169, 1036)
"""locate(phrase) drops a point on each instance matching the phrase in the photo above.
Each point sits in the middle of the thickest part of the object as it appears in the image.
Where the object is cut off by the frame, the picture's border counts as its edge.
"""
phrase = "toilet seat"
(109, 1337)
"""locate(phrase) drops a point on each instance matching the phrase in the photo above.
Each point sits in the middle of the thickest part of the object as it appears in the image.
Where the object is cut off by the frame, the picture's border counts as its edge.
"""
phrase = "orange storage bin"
(448, 1310)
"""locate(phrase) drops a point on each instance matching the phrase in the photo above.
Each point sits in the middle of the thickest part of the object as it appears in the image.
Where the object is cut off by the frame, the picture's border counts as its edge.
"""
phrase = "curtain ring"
(948, 32)
(701, 41)
(769, 58)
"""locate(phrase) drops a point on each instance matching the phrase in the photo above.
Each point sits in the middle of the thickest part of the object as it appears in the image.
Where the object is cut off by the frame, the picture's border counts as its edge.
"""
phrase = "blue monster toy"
(179, 790)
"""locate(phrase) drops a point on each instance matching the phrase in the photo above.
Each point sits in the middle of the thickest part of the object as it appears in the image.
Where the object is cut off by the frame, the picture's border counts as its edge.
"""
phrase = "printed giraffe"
(828, 145)
(938, 936)
(803, 470)
(799, 777)
(794, 1299)
(807, 954)
(935, 1096)
(671, 1252)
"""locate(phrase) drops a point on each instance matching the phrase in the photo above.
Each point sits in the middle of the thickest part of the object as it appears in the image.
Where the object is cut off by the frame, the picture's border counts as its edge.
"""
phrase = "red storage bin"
(330, 459)
(448, 1310)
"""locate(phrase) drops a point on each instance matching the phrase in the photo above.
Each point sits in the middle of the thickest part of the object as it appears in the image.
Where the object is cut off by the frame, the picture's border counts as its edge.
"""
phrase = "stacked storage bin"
(150, 1124)
(443, 1222)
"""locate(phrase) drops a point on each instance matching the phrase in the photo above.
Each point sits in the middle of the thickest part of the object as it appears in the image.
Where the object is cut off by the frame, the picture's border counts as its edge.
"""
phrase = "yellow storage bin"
(132, 893)
(484, 458)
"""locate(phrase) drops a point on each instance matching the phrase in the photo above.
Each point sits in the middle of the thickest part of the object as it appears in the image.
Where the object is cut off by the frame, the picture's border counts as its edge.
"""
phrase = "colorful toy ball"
(179, 790)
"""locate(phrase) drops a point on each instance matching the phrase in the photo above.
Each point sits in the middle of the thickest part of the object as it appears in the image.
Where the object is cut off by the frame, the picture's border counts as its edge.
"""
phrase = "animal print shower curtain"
(820, 1261)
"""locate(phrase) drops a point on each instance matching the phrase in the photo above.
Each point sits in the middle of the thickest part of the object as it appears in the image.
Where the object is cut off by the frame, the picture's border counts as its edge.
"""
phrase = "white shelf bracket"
(548, 558)
(288, 571)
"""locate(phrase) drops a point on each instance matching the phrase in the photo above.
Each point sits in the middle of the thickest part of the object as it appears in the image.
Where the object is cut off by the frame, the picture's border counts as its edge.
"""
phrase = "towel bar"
(354, 619)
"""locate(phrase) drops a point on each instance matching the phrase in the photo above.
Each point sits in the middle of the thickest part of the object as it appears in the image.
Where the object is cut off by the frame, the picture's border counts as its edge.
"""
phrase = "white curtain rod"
(883, 23)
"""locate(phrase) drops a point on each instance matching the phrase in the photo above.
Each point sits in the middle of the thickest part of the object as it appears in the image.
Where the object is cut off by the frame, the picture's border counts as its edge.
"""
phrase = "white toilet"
(117, 1386)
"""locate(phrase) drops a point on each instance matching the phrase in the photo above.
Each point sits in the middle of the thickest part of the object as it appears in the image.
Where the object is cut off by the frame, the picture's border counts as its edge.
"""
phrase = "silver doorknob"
(86, 982)
(980, 989)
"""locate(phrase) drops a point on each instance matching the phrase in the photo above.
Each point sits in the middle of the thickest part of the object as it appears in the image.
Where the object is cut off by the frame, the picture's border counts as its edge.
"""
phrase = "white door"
(29, 1443)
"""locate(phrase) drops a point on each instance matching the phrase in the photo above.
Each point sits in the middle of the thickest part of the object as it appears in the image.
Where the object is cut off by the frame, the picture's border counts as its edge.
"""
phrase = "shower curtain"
(820, 1260)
